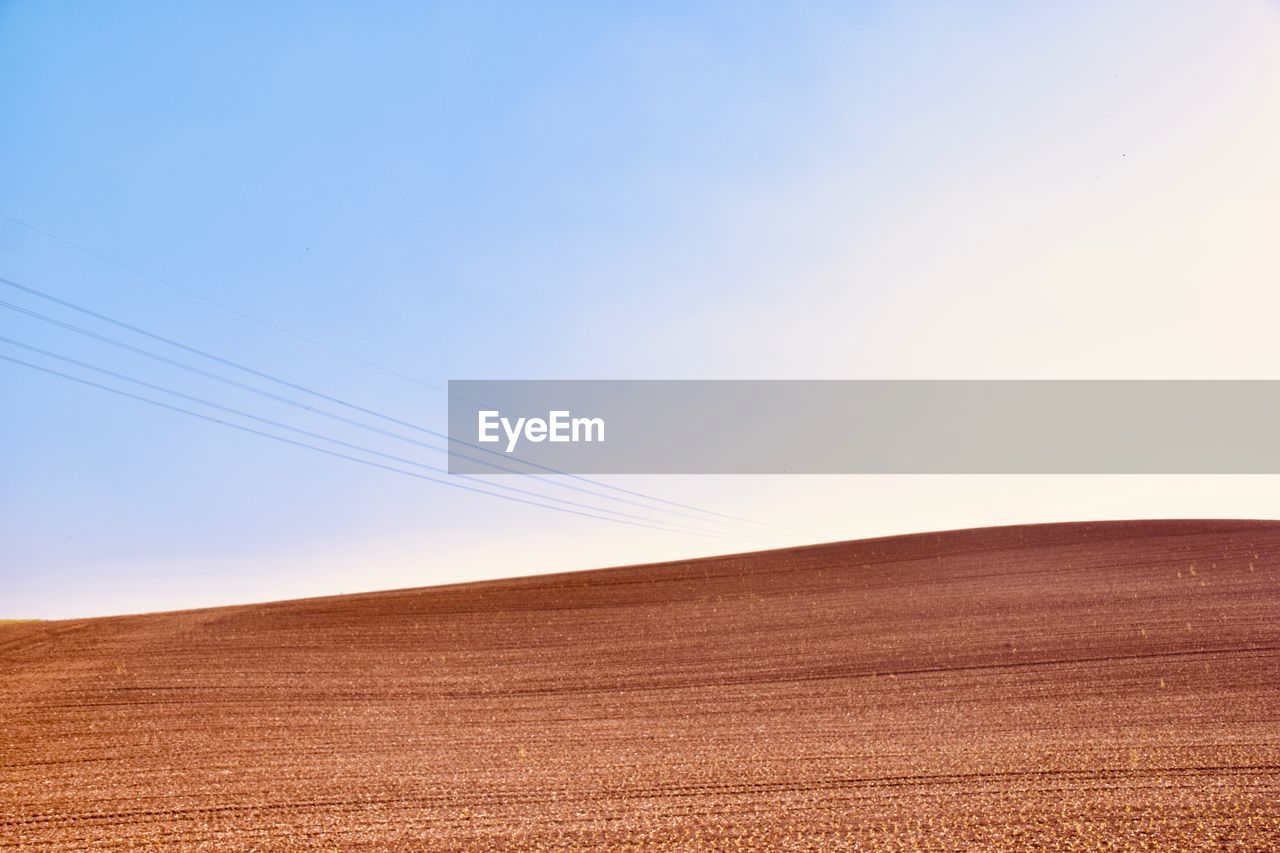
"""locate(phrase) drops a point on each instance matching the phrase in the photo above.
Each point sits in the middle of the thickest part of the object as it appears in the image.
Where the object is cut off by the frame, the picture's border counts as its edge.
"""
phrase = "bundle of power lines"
(593, 499)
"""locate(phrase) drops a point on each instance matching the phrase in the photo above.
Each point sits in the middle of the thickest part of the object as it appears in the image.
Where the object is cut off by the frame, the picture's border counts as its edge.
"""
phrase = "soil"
(1074, 685)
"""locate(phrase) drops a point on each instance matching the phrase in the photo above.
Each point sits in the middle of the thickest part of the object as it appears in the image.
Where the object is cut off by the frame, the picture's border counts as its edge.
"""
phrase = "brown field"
(1063, 685)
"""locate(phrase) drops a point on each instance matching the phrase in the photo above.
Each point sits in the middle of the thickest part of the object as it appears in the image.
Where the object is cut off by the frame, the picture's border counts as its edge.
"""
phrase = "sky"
(668, 190)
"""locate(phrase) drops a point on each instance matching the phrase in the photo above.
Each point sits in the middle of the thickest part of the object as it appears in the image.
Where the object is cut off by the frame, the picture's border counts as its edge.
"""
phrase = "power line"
(300, 405)
(65, 303)
(326, 451)
(230, 363)
(349, 445)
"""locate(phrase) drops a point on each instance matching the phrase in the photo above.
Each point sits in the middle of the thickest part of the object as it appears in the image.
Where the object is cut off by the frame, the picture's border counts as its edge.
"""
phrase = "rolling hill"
(1064, 684)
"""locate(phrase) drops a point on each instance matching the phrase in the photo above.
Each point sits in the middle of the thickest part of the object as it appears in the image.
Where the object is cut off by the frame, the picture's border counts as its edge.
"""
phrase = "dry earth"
(1067, 686)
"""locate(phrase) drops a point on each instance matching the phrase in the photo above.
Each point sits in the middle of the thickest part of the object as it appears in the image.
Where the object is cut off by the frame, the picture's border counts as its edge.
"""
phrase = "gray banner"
(863, 427)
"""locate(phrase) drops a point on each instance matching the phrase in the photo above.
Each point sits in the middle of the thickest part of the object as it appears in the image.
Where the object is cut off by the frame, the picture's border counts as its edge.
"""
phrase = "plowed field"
(1060, 685)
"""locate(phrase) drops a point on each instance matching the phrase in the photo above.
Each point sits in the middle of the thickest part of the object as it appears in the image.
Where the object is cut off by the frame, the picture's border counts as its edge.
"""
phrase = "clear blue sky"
(597, 190)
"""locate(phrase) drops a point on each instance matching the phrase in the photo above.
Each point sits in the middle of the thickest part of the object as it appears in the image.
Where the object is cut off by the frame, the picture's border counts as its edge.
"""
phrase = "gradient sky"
(1004, 190)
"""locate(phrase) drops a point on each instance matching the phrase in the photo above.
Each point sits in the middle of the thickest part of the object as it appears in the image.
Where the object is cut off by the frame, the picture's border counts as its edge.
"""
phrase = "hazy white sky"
(809, 191)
